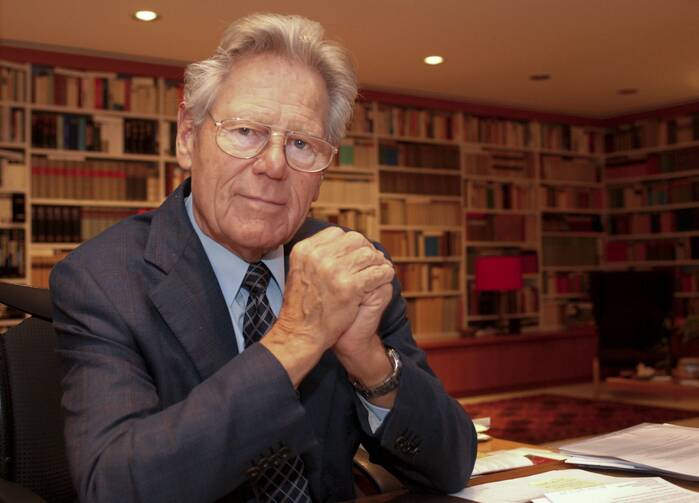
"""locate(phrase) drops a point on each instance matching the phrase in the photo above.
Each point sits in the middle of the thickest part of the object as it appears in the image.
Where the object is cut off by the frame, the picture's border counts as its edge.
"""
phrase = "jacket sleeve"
(427, 440)
(124, 444)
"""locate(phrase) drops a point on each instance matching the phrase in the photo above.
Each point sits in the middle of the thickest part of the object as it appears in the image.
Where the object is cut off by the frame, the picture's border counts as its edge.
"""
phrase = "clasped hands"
(337, 288)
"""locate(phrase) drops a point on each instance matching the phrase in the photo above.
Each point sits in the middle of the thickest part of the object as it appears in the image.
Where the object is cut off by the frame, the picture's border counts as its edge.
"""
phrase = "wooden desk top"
(497, 444)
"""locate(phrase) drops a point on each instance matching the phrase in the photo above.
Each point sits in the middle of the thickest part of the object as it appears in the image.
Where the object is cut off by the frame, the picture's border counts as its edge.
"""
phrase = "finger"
(374, 276)
(361, 258)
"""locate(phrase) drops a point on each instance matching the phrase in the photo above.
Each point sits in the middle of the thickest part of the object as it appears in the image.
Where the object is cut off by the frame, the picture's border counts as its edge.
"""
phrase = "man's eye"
(300, 144)
(245, 131)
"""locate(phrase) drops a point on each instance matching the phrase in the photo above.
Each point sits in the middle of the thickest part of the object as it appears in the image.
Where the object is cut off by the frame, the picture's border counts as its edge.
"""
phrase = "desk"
(496, 445)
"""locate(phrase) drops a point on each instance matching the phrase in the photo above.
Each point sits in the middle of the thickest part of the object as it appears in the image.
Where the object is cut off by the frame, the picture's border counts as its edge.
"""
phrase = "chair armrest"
(15, 493)
(372, 479)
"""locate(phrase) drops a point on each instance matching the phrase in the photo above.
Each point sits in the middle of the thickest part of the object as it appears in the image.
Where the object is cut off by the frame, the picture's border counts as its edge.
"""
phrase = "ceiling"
(591, 48)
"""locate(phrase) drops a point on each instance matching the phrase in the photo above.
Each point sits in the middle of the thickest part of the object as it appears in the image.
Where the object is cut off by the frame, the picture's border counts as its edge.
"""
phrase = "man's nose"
(272, 159)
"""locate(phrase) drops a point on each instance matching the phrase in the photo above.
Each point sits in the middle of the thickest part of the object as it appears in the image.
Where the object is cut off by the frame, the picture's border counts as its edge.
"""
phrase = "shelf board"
(564, 296)
(416, 295)
(13, 225)
(509, 316)
(349, 170)
(423, 171)
(94, 202)
(497, 211)
(502, 244)
(82, 154)
(479, 147)
(502, 179)
(169, 158)
(652, 263)
(419, 198)
(403, 260)
(418, 227)
(657, 207)
(94, 111)
(44, 247)
(13, 144)
(572, 268)
(649, 178)
(571, 153)
(528, 275)
(571, 183)
(417, 139)
(572, 234)
(658, 235)
(568, 211)
(343, 206)
(651, 150)
(12, 104)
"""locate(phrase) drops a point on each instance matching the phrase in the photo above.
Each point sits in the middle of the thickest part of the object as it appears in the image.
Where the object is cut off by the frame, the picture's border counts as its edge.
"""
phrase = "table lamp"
(501, 274)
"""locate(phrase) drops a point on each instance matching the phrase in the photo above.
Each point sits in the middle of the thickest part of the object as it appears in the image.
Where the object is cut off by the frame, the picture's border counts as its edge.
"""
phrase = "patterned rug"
(538, 419)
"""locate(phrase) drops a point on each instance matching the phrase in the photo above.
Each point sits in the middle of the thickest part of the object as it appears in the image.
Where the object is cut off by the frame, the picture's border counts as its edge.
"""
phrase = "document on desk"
(670, 449)
(525, 489)
(635, 490)
(499, 461)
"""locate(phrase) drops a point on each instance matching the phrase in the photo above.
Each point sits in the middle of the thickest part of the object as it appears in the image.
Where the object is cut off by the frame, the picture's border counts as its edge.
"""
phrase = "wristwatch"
(388, 385)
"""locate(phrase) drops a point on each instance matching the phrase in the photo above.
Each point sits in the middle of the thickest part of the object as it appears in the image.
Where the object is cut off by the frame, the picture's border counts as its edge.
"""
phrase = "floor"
(586, 390)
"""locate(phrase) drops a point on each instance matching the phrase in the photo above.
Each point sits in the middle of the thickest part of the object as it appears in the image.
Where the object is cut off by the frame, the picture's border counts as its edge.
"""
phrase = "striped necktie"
(283, 480)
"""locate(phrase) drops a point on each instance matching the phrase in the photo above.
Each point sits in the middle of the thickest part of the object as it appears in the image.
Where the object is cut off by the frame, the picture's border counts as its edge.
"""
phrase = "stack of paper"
(577, 486)
(664, 449)
(482, 425)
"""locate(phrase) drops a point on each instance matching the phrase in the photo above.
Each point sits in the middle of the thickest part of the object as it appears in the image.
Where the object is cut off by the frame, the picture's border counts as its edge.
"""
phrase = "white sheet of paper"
(524, 489)
(635, 490)
(663, 446)
(500, 461)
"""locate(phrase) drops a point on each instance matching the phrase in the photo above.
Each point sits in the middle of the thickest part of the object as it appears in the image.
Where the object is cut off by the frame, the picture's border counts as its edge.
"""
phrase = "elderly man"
(171, 392)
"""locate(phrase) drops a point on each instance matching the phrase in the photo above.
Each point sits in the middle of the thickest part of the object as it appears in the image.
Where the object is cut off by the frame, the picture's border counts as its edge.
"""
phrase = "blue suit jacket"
(161, 407)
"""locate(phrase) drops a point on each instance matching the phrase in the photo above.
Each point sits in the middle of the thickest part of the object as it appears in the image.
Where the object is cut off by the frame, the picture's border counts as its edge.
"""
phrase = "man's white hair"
(293, 37)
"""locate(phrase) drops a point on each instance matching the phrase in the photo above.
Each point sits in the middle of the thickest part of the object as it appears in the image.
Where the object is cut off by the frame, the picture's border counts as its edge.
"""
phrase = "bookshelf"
(87, 143)
(81, 149)
(652, 184)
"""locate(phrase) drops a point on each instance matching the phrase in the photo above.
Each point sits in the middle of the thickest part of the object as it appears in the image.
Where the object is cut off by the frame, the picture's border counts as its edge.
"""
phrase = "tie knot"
(257, 278)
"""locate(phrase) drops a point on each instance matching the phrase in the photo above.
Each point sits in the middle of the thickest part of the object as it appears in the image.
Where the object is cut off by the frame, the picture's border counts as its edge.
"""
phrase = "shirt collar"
(229, 268)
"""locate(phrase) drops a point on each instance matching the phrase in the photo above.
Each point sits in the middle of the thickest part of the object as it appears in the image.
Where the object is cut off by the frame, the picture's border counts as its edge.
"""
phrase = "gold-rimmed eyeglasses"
(244, 139)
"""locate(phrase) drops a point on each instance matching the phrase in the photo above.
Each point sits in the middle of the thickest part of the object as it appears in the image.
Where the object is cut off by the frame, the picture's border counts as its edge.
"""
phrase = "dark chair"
(371, 479)
(632, 310)
(33, 463)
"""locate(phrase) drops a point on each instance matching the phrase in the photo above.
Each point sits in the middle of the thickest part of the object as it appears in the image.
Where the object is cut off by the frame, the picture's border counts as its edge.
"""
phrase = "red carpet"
(538, 419)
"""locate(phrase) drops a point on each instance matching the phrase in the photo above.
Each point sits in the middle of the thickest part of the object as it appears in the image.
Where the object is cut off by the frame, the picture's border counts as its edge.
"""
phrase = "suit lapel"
(189, 297)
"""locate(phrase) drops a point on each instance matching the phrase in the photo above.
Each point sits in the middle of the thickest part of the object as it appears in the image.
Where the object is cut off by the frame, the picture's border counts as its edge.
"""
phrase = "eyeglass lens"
(245, 140)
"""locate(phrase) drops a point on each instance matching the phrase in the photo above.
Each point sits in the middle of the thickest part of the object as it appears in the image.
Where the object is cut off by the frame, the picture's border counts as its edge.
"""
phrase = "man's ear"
(185, 138)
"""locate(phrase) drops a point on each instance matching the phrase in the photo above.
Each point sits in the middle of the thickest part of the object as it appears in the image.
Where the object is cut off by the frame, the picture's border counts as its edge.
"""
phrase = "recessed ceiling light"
(627, 90)
(434, 60)
(146, 15)
(540, 76)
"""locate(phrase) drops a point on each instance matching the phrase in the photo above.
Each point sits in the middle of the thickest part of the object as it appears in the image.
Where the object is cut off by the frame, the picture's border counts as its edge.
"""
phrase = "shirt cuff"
(375, 414)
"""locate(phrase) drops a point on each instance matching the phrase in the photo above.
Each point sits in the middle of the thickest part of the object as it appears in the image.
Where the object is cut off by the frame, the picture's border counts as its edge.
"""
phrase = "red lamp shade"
(498, 273)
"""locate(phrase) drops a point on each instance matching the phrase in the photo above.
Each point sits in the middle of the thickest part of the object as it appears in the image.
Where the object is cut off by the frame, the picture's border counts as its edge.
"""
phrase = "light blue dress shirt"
(230, 271)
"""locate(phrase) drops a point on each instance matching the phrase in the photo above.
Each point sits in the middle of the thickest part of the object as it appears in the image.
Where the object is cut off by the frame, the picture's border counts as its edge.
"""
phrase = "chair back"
(32, 448)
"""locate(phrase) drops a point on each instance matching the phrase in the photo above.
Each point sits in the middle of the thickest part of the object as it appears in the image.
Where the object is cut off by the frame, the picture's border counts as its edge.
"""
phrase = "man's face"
(251, 206)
